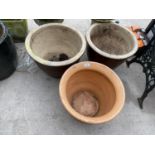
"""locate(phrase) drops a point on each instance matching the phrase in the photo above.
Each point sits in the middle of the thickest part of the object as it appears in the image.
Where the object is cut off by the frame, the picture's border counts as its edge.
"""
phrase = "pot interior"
(50, 42)
(95, 83)
(112, 39)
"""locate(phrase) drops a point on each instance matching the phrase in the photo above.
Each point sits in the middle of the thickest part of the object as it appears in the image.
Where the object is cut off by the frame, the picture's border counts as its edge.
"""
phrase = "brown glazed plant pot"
(110, 44)
(49, 42)
(98, 79)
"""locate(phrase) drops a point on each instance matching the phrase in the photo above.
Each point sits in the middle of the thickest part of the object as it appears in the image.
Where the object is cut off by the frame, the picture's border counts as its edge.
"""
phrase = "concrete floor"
(30, 104)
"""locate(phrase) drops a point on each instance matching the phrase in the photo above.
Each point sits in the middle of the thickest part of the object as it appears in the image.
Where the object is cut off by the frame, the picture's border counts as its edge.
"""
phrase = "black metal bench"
(146, 57)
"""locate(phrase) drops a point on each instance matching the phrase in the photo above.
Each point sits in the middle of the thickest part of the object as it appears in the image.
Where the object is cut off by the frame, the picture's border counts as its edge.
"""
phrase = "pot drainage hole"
(59, 57)
(85, 103)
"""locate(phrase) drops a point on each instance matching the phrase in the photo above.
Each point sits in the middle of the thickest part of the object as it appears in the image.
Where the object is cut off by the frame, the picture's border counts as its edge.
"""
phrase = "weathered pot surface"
(49, 42)
(110, 43)
(101, 82)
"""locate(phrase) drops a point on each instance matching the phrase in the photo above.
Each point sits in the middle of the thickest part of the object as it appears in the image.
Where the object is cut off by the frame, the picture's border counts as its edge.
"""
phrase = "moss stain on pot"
(18, 28)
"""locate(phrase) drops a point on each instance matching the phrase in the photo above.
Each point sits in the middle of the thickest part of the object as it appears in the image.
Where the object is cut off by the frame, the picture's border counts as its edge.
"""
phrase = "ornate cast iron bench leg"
(148, 88)
(128, 63)
(141, 99)
(147, 61)
(135, 58)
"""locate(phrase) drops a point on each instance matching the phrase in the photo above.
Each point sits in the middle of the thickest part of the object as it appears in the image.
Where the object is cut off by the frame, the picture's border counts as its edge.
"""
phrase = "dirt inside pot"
(58, 57)
(111, 39)
(85, 103)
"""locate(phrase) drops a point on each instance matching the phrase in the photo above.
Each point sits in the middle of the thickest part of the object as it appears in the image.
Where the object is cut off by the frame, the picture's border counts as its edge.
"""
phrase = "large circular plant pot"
(110, 44)
(8, 55)
(50, 41)
(98, 79)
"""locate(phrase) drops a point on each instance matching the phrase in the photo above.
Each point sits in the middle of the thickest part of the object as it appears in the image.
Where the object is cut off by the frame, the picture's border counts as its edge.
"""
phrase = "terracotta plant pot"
(100, 81)
(51, 41)
(110, 44)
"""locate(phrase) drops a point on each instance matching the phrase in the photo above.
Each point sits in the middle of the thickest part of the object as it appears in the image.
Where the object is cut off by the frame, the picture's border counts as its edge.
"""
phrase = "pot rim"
(105, 54)
(4, 32)
(110, 74)
(59, 63)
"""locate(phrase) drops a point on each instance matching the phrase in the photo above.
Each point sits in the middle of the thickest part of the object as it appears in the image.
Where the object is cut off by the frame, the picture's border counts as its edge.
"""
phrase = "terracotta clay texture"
(100, 81)
(50, 41)
(110, 43)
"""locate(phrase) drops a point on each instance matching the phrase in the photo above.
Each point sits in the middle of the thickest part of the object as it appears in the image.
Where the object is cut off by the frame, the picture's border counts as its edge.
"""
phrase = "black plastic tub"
(8, 55)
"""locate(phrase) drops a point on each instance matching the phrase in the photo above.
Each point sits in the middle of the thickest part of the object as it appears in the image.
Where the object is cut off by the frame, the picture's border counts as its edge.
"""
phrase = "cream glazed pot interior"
(112, 40)
(53, 39)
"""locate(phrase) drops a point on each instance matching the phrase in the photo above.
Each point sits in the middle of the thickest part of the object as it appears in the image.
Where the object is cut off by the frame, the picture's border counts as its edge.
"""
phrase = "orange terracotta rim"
(104, 70)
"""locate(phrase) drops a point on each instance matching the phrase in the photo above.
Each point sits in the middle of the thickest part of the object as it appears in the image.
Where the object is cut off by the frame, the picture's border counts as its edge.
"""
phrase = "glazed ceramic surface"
(51, 40)
(8, 56)
(110, 43)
